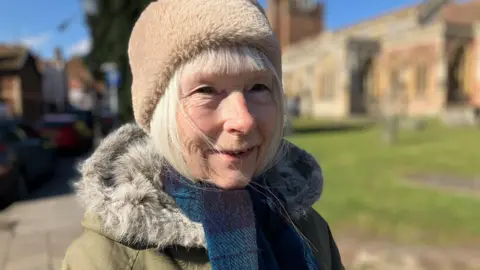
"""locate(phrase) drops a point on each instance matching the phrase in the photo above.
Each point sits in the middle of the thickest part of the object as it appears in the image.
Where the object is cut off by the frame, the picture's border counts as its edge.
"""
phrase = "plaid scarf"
(243, 230)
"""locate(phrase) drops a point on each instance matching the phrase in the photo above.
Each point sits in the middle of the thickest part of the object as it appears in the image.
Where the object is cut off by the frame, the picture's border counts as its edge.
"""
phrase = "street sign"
(112, 75)
(113, 78)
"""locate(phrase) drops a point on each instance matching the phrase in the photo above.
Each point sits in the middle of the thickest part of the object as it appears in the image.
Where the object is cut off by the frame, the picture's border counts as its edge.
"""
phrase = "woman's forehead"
(194, 74)
(222, 63)
(244, 63)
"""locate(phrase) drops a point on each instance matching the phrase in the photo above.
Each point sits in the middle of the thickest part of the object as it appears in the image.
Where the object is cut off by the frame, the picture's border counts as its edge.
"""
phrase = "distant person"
(293, 106)
(204, 179)
(296, 106)
(289, 105)
(476, 108)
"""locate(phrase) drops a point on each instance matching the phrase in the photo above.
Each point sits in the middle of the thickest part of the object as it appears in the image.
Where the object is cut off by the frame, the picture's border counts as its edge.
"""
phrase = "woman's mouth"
(236, 154)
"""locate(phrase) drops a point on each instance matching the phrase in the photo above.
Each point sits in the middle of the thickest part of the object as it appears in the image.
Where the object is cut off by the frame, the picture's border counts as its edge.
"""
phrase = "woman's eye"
(206, 90)
(259, 88)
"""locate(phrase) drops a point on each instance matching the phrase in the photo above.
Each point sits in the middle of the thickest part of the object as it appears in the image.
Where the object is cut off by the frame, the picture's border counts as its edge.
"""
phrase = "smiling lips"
(237, 154)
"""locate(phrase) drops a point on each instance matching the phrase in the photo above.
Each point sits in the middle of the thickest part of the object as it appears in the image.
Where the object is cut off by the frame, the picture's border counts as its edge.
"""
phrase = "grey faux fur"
(121, 184)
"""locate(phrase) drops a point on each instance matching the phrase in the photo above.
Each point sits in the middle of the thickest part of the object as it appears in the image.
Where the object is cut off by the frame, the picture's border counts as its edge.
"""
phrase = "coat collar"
(122, 192)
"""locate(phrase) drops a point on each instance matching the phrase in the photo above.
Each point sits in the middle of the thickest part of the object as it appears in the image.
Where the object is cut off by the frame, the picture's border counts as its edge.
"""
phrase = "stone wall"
(414, 50)
(421, 47)
(307, 65)
(385, 25)
(476, 77)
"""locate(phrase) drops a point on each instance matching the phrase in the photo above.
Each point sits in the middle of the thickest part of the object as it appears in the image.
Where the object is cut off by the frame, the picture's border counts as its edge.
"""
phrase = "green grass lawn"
(366, 194)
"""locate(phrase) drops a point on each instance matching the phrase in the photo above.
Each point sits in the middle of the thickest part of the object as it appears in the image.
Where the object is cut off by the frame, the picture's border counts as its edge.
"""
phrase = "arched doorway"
(368, 84)
(362, 88)
(456, 85)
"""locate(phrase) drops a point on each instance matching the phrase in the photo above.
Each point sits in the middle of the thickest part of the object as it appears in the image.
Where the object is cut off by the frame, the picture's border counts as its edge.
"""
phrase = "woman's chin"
(228, 182)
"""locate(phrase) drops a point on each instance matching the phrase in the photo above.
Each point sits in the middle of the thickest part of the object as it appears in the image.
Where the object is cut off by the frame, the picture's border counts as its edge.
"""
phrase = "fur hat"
(170, 32)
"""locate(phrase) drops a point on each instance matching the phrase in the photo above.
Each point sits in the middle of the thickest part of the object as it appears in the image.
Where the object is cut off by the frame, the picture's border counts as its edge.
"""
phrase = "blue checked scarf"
(242, 227)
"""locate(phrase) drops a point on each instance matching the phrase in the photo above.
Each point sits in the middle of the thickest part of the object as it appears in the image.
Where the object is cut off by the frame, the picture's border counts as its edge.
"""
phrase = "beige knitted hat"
(170, 32)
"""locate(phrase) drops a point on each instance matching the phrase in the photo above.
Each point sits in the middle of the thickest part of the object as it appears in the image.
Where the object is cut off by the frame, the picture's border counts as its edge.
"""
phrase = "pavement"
(35, 233)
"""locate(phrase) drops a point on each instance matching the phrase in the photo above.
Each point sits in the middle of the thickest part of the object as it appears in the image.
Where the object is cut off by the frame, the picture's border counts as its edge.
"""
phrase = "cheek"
(192, 145)
(195, 121)
(265, 116)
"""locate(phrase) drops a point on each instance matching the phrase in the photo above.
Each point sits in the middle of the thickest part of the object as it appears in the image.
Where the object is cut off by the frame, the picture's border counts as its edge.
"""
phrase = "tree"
(110, 23)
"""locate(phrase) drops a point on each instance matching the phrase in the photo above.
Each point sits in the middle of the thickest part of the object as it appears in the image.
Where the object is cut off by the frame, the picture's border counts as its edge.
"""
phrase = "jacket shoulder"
(92, 251)
(316, 229)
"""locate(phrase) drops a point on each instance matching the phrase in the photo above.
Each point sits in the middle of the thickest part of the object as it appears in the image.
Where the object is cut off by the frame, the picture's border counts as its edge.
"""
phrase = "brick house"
(20, 83)
(424, 59)
(294, 20)
(84, 90)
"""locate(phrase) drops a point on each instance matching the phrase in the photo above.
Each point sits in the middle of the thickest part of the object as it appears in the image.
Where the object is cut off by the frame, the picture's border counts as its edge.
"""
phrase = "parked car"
(9, 184)
(107, 122)
(71, 133)
(27, 160)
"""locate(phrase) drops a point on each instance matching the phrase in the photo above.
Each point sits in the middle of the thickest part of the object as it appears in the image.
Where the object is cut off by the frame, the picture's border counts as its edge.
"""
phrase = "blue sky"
(34, 22)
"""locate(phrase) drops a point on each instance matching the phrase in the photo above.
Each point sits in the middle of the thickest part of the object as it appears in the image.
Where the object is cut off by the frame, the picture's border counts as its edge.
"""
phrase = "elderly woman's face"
(238, 115)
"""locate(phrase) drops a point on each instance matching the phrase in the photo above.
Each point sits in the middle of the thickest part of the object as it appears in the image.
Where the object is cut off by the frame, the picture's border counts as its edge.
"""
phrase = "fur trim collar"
(121, 185)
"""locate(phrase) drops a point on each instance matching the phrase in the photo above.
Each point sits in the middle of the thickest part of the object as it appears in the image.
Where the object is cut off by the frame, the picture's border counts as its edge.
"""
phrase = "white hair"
(229, 60)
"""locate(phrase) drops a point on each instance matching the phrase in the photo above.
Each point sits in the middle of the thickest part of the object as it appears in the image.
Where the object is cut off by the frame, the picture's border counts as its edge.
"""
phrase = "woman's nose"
(238, 118)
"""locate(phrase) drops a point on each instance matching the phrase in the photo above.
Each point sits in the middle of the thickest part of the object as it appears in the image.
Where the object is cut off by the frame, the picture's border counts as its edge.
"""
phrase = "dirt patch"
(7, 225)
(447, 182)
(359, 255)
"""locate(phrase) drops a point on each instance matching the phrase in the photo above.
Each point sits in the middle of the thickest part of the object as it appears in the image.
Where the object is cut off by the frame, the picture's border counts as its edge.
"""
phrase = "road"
(35, 233)
(61, 182)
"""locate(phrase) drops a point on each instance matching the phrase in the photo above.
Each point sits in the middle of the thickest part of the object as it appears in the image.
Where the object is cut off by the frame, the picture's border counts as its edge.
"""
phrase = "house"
(20, 83)
(84, 91)
(422, 60)
(55, 84)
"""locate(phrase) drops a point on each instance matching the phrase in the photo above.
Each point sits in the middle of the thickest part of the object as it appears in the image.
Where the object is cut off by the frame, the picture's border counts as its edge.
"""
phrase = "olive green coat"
(131, 223)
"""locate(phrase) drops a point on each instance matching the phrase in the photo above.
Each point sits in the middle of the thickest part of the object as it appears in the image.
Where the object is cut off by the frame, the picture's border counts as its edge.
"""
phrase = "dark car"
(9, 175)
(27, 160)
(71, 133)
(107, 122)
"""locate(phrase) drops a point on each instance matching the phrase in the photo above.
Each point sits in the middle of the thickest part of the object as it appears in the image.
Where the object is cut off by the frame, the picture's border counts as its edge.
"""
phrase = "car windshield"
(55, 125)
(57, 121)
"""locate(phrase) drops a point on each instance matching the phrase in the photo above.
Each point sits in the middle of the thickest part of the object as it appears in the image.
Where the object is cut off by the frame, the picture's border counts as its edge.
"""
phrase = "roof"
(462, 13)
(374, 19)
(12, 57)
(448, 10)
(76, 68)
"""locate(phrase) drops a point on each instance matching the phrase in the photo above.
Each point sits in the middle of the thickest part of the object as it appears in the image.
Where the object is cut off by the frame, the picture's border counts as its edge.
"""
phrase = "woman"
(204, 179)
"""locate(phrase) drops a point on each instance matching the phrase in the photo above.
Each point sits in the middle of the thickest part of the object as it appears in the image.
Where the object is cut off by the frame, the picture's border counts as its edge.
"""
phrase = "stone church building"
(421, 60)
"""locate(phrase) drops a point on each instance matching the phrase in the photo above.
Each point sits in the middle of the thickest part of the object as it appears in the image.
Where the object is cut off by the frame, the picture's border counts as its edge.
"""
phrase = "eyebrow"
(264, 74)
(203, 78)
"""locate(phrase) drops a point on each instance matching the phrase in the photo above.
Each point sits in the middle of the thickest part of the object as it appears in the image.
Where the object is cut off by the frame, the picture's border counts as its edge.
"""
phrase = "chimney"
(58, 57)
